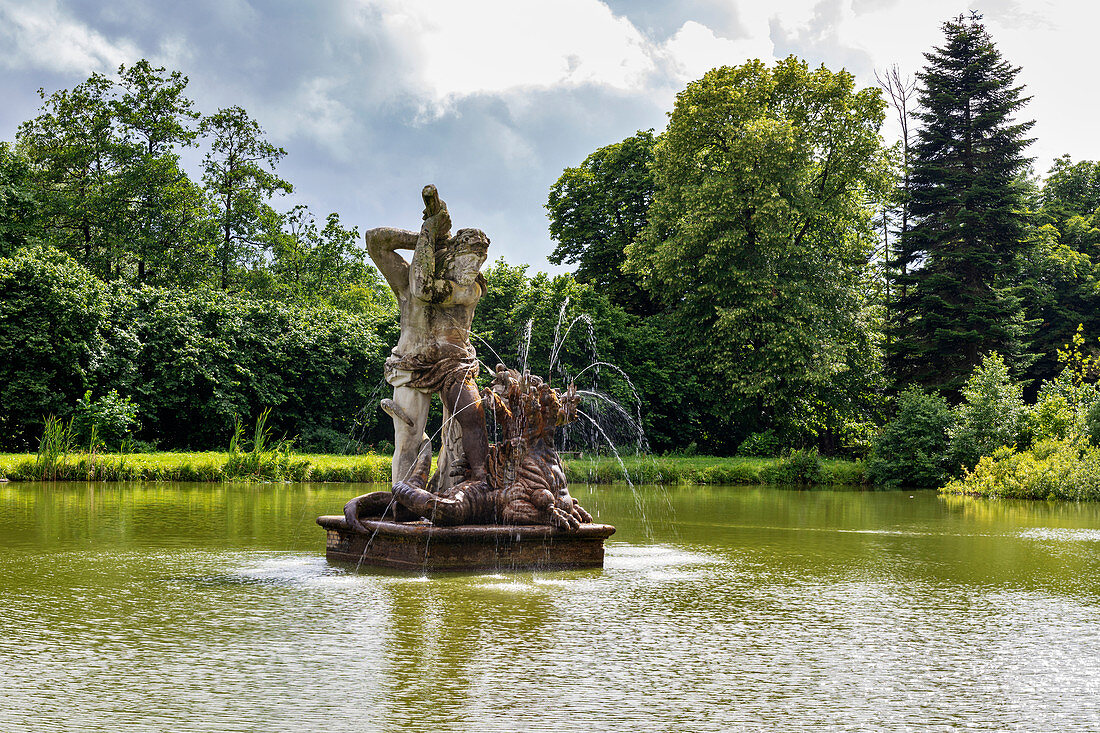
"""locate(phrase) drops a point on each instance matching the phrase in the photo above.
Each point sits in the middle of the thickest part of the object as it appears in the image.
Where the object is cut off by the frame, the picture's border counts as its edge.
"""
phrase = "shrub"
(109, 418)
(990, 415)
(51, 315)
(764, 444)
(327, 440)
(797, 467)
(1092, 423)
(189, 360)
(1051, 419)
(909, 450)
(1053, 469)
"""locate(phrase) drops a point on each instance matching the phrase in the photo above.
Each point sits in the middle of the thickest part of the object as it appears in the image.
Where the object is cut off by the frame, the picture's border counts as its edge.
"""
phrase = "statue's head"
(468, 251)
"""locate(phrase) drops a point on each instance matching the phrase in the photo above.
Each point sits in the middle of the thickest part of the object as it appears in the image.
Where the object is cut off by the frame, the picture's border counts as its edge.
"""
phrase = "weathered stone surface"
(437, 290)
(424, 547)
(519, 480)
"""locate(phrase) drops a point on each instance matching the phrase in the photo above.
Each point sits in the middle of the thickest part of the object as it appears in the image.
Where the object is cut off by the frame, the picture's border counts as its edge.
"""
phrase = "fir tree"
(955, 267)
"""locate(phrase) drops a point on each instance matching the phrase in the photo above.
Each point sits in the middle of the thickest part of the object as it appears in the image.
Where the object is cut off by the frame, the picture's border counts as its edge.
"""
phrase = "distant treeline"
(174, 368)
(765, 271)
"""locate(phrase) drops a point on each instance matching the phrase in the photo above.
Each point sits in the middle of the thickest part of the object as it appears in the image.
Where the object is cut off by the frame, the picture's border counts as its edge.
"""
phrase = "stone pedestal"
(424, 547)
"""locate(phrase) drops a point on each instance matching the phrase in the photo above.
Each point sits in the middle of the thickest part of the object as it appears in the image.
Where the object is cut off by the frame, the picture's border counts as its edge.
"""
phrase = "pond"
(211, 608)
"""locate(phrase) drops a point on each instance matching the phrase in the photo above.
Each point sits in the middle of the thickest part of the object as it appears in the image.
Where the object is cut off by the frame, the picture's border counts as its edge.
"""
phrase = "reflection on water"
(211, 608)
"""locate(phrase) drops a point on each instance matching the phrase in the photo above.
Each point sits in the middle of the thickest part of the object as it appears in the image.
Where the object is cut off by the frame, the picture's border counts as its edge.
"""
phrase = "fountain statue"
(485, 505)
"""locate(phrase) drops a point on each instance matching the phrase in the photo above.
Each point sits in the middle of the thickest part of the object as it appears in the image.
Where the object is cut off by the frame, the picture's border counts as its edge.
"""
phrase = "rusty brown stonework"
(424, 547)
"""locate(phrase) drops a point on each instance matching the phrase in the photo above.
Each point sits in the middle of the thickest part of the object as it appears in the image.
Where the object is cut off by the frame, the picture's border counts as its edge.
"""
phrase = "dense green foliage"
(239, 173)
(52, 318)
(98, 175)
(757, 244)
(575, 331)
(1056, 469)
(108, 421)
(1045, 450)
(18, 205)
(911, 449)
(600, 207)
(991, 414)
(1062, 272)
(956, 266)
(190, 361)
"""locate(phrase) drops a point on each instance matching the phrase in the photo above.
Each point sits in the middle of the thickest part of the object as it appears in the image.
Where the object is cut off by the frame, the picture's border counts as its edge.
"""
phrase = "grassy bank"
(713, 470)
(211, 466)
(369, 468)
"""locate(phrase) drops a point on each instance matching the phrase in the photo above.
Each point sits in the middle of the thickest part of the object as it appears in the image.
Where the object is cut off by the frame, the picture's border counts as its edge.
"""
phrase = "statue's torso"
(434, 331)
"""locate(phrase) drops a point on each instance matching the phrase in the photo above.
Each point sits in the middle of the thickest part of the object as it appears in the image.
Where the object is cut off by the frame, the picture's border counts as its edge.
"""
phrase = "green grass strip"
(295, 467)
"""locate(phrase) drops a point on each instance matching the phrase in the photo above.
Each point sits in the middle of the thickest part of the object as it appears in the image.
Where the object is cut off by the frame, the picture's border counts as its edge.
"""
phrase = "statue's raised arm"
(382, 245)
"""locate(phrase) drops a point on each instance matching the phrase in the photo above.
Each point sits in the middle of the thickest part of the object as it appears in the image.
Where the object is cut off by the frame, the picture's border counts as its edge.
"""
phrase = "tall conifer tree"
(955, 267)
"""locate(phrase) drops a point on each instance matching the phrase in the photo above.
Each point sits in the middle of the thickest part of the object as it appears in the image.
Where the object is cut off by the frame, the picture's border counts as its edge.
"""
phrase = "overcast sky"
(491, 99)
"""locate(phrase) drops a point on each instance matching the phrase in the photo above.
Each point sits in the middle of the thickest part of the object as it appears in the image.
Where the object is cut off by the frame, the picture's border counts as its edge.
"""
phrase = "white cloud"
(41, 36)
(452, 50)
(495, 46)
(695, 50)
(1051, 41)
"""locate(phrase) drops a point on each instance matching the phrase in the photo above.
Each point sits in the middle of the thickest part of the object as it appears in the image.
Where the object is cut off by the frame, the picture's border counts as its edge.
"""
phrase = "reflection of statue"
(437, 294)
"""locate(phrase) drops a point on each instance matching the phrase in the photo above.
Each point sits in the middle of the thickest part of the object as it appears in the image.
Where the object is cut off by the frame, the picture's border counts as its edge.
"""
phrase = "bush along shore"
(1064, 469)
(804, 468)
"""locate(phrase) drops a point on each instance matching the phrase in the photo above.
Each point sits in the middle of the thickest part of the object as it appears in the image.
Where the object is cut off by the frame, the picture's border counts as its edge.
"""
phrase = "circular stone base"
(423, 547)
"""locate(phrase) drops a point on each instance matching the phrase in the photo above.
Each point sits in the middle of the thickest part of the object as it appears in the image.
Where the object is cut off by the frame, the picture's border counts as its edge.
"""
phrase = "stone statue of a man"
(437, 292)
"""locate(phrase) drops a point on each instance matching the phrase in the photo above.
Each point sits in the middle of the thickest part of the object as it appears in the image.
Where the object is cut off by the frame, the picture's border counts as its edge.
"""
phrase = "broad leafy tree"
(956, 267)
(239, 173)
(324, 263)
(1070, 189)
(75, 154)
(572, 327)
(758, 240)
(103, 158)
(155, 119)
(597, 209)
(1062, 272)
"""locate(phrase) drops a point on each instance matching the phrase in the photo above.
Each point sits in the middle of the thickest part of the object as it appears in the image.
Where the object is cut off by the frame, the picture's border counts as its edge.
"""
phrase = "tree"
(957, 264)
(325, 264)
(911, 448)
(597, 209)
(75, 152)
(1061, 273)
(154, 120)
(895, 211)
(758, 238)
(239, 172)
(1070, 190)
(564, 328)
(990, 415)
(103, 158)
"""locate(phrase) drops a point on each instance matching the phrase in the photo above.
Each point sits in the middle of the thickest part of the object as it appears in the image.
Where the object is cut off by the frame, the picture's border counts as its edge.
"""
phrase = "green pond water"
(168, 607)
